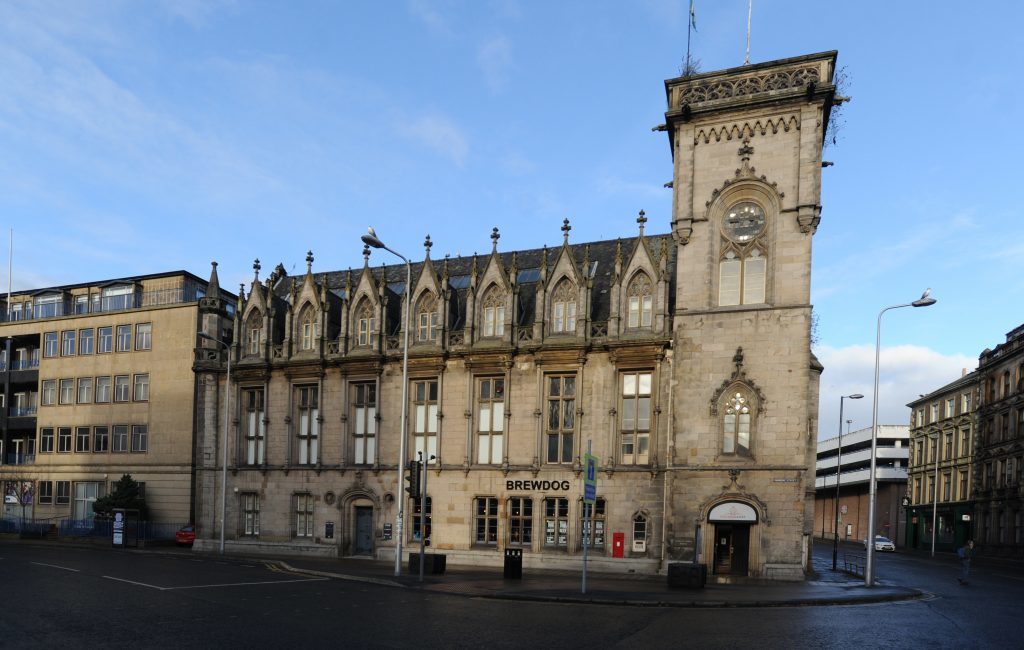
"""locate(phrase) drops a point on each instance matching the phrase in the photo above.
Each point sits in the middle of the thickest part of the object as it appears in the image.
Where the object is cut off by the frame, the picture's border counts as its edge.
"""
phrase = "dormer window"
(309, 328)
(366, 323)
(640, 302)
(563, 308)
(427, 318)
(494, 313)
(254, 331)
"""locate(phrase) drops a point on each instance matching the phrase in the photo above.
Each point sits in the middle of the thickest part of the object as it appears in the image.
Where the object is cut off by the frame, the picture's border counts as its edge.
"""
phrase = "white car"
(881, 543)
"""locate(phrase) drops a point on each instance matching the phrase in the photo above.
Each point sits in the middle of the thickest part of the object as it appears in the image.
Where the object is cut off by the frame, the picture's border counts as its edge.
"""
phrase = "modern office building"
(851, 453)
(681, 360)
(941, 474)
(98, 383)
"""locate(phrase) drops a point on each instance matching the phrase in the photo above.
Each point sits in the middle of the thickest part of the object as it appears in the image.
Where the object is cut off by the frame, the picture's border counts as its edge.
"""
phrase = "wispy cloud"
(440, 134)
(905, 372)
(429, 15)
(495, 59)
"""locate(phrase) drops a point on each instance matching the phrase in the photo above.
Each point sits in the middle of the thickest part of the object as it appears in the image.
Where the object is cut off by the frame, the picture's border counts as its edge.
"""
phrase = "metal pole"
(839, 460)
(423, 515)
(935, 494)
(224, 467)
(586, 528)
(402, 452)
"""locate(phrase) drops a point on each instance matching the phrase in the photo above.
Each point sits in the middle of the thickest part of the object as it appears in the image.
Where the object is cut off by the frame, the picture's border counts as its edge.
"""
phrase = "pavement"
(825, 587)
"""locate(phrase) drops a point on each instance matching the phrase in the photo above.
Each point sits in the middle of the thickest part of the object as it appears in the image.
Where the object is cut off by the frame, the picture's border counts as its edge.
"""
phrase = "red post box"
(618, 544)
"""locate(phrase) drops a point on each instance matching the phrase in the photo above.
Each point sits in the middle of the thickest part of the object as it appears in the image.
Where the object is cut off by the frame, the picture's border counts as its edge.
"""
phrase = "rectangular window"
(963, 485)
(965, 441)
(144, 336)
(50, 344)
(85, 390)
(965, 403)
(82, 436)
(67, 391)
(520, 521)
(121, 388)
(485, 521)
(141, 390)
(428, 326)
(917, 490)
(364, 431)
(561, 418)
(255, 431)
(106, 339)
(947, 486)
(424, 431)
(597, 514)
(949, 446)
(934, 413)
(100, 439)
(556, 522)
(46, 440)
(950, 407)
(303, 515)
(729, 281)
(63, 493)
(494, 321)
(250, 514)
(67, 343)
(124, 338)
(753, 278)
(120, 438)
(45, 492)
(635, 418)
(416, 503)
(140, 437)
(102, 390)
(490, 411)
(309, 424)
(49, 394)
(82, 304)
(63, 439)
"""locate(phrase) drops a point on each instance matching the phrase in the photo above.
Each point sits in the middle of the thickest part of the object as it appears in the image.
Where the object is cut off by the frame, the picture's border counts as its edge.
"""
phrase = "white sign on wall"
(732, 511)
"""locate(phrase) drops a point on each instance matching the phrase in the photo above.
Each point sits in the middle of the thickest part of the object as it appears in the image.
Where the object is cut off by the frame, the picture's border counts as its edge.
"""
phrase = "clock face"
(744, 221)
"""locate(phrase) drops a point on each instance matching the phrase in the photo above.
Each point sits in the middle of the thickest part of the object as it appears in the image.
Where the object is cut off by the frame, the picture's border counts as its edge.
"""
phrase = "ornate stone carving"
(725, 88)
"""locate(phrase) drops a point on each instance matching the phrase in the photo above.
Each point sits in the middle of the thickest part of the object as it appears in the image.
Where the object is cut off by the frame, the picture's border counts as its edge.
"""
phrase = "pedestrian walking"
(965, 552)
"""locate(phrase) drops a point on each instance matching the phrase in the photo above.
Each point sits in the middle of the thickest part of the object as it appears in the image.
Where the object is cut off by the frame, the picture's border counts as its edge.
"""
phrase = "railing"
(456, 338)
(598, 329)
(22, 411)
(105, 304)
(19, 459)
(393, 344)
(524, 334)
(149, 530)
(21, 364)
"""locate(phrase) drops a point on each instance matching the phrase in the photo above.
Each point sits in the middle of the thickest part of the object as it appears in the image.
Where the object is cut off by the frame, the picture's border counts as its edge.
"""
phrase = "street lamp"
(370, 239)
(935, 491)
(869, 578)
(227, 408)
(839, 460)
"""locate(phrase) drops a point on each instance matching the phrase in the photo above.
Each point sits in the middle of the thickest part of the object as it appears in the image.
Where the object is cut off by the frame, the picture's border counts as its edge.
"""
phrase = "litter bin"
(514, 563)
(685, 574)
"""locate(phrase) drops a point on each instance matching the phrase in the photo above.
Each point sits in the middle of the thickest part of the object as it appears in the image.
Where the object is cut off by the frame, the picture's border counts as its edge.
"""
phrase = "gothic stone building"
(682, 360)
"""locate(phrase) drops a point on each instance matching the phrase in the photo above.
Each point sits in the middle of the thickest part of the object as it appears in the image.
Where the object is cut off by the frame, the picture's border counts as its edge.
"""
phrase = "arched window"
(427, 318)
(366, 323)
(308, 327)
(494, 312)
(639, 533)
(640, 301)
(563, 308)
(737, 422)
(742, 266)
(253, 333)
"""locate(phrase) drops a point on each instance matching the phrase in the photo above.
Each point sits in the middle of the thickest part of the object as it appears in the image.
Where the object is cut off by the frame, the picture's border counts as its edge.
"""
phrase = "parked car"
(881, 543)
(185, 535)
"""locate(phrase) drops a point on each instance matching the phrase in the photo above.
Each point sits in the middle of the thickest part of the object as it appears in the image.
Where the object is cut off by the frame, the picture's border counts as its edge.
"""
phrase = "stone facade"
(681, 360)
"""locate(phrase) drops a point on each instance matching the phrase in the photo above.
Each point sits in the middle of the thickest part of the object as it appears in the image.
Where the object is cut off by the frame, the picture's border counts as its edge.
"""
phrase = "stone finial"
(309, 261)
(544, 258)
(586, 261)
(642, 219)
(213, 286)
(565, 231)
(495, 236)
(241, 291)
(745, 150)
(256, 268)
(427, 245)
(366, 255)
(618, 257)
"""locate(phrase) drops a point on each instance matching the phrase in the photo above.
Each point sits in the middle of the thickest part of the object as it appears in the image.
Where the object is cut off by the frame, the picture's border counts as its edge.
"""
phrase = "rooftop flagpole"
(691, 26)
(750, 10)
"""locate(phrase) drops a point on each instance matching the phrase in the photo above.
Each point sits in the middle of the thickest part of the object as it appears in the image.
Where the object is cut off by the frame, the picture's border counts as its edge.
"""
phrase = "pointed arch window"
(427, 318)
(366, 323)
(742, 277)
(563, 308)
(737, 421)
(254, 333)
(640, 301)
(494, 313)
(309, 327)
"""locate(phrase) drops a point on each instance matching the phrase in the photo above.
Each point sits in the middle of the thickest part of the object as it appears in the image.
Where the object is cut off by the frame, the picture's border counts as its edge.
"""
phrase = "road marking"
(132, 582)
(54, 566)
(247, 584)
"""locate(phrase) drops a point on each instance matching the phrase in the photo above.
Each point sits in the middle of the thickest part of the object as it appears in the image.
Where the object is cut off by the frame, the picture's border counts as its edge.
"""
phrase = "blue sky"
(144, 137)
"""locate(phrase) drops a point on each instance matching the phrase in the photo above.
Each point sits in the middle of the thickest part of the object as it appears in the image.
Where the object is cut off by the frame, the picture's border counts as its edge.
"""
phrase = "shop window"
(485, 521)
(520, 521)
(250, 514)
(556, 522)
(596, 512)
(416, 512)
(304, 505)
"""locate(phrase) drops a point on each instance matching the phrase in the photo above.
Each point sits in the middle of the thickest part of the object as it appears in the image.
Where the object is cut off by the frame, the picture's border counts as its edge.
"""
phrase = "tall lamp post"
(869, 575)
(839, 461)
(227, 409)
(370, 239)
(935, 491)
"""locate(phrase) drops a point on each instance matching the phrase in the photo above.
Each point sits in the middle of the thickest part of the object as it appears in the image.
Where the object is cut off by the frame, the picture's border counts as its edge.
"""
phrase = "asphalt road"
(74, 597)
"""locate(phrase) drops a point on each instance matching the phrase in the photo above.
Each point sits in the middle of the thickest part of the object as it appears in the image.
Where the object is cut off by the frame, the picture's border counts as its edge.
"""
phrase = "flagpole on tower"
(691, 25)
(750, 10)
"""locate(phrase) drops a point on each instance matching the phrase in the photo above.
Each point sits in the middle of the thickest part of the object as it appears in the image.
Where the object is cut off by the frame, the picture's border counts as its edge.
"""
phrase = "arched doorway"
(731, 523)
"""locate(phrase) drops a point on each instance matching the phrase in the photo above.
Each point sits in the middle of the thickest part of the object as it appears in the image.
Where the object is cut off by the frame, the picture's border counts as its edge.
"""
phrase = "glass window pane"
(499, 416)
(629, 384)
(753, 282)
(729, 282)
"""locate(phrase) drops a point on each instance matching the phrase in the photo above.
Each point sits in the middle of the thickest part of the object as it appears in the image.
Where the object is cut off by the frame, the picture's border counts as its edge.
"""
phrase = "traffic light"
(413, 479)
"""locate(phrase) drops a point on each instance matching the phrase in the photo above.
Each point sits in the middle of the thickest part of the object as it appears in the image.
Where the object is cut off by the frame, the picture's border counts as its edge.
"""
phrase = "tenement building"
(681, 360)
(999, 451)
(939, 484)
(97, 383)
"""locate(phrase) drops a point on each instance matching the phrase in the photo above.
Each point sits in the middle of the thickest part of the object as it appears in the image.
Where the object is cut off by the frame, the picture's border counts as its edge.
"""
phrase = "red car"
(185, 535)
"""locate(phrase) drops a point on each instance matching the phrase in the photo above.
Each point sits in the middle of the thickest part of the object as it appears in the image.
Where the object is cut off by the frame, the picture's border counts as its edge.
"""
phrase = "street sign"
(589, 478)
